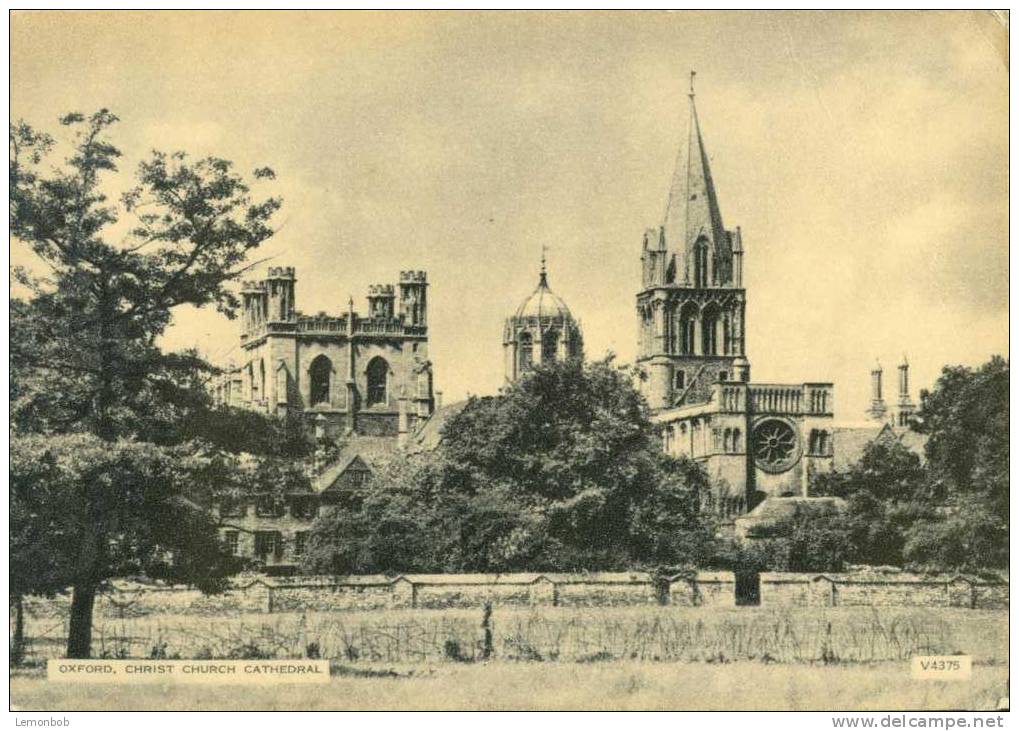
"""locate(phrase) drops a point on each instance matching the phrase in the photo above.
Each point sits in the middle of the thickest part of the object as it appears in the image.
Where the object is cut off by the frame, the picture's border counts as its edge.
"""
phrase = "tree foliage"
(84, 510)
(86, 357)
(85, 360)
(951, 512)
(561, 471)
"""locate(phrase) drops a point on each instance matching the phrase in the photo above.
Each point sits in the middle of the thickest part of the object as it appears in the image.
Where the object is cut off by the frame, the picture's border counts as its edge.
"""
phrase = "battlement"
(380, 290)
(281, 273)
(413, 276)
(252, 287)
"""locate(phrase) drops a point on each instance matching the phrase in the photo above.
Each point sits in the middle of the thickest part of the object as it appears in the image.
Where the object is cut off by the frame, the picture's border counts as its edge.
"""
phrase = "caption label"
(188, 671)
(942, 667)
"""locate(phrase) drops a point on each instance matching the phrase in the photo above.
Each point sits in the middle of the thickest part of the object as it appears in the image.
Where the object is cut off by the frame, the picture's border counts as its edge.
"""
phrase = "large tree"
(84, 347)
(885, 493)
(147, 502)
(966, 415)
(951, 512)
(561, 471)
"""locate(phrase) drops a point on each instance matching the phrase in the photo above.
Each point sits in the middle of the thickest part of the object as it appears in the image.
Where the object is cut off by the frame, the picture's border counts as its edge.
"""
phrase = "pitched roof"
(371, 452)
(912, 440)
(775, 515)
(850, 440)
(693, 208)
(429, 434)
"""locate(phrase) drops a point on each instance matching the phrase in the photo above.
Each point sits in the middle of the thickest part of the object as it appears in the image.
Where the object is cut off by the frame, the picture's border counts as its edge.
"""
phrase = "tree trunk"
(79, 636)
(18, 644)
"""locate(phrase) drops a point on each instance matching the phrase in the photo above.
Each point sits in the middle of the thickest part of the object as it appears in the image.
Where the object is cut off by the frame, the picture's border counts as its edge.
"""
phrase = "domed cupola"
(541, 330)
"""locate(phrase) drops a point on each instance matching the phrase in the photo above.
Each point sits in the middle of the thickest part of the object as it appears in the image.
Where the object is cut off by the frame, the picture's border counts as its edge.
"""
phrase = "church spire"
(692, 209)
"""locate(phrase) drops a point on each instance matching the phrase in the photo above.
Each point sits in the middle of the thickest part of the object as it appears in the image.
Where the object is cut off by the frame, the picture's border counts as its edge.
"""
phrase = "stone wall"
(891, 588)
(262, 594)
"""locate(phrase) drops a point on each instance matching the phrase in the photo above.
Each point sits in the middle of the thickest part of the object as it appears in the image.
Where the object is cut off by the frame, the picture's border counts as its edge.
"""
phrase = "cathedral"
(365, 381)
(756, 440)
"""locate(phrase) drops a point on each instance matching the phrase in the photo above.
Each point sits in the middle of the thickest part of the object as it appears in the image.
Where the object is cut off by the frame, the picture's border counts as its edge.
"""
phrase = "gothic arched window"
(261, 379)
(321, 372)
(549, 346)
(525, 351)
(574, 346)
(709, 330)
(700, 261)
(281, 384)
(687, 328)
(378, 375)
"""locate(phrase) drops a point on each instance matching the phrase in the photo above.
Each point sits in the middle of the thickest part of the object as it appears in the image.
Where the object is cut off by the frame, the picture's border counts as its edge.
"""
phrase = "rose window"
(775, 445)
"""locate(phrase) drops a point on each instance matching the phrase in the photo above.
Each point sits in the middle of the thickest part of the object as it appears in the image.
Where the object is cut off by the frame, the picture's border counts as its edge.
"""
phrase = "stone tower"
(878, 411)
(692, 304)
(541, 330)
(905, 409)
(348, 374)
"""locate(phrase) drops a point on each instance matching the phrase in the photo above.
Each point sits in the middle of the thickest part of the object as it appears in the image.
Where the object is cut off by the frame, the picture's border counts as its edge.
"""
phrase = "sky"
(863, 154)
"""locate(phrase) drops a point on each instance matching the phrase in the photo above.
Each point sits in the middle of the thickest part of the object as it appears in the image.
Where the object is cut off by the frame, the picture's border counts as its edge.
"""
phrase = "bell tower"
(692, 305)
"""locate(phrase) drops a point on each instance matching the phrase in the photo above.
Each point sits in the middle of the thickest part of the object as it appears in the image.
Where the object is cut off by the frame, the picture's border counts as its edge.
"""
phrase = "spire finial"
(692, 75)
(543, 279)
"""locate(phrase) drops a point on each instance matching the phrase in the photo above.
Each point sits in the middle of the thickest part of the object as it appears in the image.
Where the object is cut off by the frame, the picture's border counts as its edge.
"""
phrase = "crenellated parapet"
(252, 287)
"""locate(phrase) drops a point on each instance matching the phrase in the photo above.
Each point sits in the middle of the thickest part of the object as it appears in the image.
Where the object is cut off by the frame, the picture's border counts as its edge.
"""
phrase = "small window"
(357, 477)
(723, 375)
(231, 508)
(233, 541)
(300, 543)
(268, 506)
(268, 544)
(680, 379)
(304, 507)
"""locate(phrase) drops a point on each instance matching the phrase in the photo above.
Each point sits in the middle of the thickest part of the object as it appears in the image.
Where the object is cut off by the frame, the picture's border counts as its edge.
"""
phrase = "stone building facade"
(541, 330)
(755, 440)
(348, 373)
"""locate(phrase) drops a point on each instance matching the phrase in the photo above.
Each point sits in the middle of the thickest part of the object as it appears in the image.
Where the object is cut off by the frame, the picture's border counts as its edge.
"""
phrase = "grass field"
(795, 634)
(555, 686)
(841, 658)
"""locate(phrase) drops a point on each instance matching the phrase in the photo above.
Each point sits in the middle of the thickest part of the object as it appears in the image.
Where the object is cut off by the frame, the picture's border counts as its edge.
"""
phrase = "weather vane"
(692, 74)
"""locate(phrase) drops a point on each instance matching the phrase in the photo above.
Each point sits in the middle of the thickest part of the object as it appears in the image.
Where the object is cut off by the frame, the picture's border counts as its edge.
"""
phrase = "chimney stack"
(877, 410)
